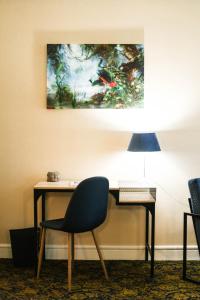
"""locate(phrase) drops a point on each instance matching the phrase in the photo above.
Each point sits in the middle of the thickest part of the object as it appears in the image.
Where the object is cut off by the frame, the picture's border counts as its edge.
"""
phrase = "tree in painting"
(95, 75)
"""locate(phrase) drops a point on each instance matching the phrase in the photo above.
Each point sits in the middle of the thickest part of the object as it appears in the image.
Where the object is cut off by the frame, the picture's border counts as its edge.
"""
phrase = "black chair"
(87, 210)
(194, 203)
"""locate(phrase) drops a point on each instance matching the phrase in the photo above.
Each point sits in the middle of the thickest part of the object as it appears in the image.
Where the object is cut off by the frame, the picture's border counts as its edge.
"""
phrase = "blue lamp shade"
(144, 142)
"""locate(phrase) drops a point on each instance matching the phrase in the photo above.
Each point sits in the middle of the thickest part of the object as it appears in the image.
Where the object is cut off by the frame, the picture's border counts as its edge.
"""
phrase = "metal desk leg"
(184, 246)
(36, 196)
(152, 239)
(147, 235)
(43, 205)
(44, 215)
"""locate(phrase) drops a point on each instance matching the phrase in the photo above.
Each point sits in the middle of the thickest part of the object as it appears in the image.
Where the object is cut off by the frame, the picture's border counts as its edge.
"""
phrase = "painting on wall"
(95, 76)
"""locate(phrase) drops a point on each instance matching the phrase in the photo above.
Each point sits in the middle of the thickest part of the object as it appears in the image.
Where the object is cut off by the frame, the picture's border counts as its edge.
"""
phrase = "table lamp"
(144, 142)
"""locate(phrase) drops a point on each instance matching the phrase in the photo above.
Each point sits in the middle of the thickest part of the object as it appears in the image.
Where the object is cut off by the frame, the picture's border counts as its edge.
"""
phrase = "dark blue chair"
(194, 203)
(86, 211)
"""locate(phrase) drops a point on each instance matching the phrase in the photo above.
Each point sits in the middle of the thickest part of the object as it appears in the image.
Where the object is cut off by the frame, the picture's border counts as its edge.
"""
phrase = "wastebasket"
(22, 244)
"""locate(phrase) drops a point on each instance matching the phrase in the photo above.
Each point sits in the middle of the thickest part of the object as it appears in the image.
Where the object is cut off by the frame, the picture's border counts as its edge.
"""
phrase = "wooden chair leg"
(69, 261)
(41, 251)
(100, 256)
(72, 248)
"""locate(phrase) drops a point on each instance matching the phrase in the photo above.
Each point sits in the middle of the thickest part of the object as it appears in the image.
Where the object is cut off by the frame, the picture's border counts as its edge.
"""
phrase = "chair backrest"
(194, 201)
(88, 206)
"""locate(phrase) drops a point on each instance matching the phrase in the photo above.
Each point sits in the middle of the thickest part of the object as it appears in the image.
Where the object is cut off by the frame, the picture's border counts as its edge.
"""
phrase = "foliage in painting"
(95, 75)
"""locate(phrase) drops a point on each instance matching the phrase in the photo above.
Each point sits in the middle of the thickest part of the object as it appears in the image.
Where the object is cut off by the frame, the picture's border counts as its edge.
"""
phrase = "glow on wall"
(95, 76)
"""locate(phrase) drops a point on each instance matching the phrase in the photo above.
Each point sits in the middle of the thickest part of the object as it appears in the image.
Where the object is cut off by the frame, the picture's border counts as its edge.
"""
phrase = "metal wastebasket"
(22, 244)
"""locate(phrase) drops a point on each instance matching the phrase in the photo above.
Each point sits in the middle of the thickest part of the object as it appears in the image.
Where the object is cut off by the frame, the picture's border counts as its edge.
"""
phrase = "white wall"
(81, 143)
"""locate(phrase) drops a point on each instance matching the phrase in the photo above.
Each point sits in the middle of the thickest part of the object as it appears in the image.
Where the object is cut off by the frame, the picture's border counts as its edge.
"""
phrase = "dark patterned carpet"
(128, 280)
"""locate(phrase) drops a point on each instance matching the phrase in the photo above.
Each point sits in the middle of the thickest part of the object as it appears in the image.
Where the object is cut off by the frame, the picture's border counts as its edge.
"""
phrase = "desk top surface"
(114, 185)
(129, 191)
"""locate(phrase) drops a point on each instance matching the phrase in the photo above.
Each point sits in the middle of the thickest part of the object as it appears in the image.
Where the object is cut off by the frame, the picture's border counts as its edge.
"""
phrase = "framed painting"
(95, 76)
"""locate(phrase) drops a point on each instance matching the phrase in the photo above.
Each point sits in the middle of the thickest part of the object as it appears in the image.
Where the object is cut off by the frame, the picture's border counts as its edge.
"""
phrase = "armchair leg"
(100, 256)
(69, 261)
(185, 277)
(41, 251)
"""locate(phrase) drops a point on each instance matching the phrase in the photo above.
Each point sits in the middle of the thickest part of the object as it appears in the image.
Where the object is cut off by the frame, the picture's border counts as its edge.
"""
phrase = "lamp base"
(140, 182)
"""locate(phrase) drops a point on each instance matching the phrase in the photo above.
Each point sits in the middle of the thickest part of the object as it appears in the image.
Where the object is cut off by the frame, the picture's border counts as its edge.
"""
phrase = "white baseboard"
(87, 252)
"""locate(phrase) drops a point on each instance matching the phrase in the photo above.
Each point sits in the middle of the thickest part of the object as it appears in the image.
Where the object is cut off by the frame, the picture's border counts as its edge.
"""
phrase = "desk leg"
(152, 239)
(37, 194)
(147, 235)
(184, 246)
(43, 206)
(35, 230)
(43, 216)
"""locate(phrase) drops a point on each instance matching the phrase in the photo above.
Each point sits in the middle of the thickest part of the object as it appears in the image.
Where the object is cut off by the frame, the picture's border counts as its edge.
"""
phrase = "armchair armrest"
(191, 215)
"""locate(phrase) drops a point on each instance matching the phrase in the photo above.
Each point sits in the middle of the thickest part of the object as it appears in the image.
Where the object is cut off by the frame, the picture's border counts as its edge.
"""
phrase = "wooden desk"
(132, 194)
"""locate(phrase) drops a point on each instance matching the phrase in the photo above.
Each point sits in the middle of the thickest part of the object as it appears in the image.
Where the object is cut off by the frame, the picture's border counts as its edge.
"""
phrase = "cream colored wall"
(81, 143)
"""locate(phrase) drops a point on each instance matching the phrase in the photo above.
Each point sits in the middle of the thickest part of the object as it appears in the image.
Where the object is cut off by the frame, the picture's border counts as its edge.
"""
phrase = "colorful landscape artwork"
(95, 76)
